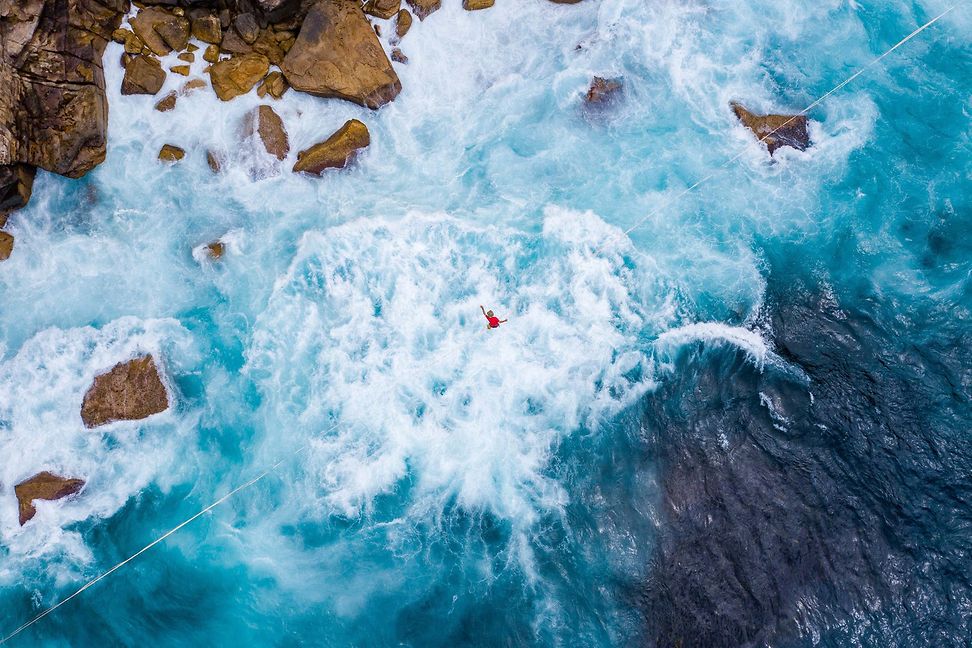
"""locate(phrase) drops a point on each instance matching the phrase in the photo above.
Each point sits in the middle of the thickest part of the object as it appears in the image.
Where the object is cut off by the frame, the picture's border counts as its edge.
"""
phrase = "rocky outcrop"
(775, 130)
(237, 75)
(131, 391)
(6, 245)
(53, 110)
(43, 486)
(16, 184)
(603, 90)
(337, 54)
(336, 152)
(263, 121)
(423, 8)
(143, 75)
(161, 30)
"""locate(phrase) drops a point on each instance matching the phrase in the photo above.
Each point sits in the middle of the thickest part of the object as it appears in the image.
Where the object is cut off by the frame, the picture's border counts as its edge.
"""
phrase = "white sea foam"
(41, 390)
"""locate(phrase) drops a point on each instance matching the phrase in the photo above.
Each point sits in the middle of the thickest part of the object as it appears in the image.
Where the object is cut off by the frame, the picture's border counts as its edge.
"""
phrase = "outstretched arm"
(504, 321)
(482, 309)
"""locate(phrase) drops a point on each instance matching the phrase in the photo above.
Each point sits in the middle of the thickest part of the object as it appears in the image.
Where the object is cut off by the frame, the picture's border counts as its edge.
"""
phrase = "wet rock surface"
(335, 152)
(131, 391)
(238, 75)
(143, 75)
(337, 54)
(267, 124)
(775, 131)
(43, 486)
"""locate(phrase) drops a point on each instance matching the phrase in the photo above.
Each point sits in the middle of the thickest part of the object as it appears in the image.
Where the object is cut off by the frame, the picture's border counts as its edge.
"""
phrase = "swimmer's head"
(489, 313)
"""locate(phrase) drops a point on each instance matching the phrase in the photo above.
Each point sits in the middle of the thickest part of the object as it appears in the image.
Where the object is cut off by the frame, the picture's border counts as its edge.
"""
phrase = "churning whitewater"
(744, 422)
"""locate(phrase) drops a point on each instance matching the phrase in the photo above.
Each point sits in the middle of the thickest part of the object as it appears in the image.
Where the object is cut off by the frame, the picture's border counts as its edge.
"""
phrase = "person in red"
(491, 320)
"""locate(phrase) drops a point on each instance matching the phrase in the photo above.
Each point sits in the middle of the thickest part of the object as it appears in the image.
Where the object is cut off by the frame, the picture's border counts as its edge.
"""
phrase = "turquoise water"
(446, 486)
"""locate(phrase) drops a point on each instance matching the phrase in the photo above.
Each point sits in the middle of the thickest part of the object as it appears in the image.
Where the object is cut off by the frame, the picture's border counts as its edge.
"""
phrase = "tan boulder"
(162, 31)
(207, 29)
(423, 8)
(188, 57)
(211, 55)
(383, 9)
(182, 70)
(338, 55)
(170, 153)
(167, 103)
(236, 76)
(403, 23)
(267, 123)
(131, 391)
(6, 245)
(336, 152)
(475, 5)
(775, 130)
(143, 75)
(275, 85)
(43, 486)
(247, 27)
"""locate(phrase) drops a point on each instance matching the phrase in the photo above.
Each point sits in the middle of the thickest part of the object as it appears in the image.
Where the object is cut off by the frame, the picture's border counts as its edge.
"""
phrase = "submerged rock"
(337, 151)
(263, 121)
(775, 130)
(43, 486)
(143, 75)
(236, 76)
(603, 90)
(338, 55)
(131, 391)
(214, 161)
(423, 8)
(170, 153)
(6, 245)
(398, 56)
(215, 250)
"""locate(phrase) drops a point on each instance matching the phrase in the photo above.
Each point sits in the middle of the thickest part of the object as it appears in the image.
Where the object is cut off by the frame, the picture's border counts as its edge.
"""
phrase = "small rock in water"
(383, 9)
(192, 47)
(143, 75)
(216, 250)
(267, 123)
(43, 486)
(398, 56)
(337, 151)
(603, 90)
(775, 130)
(190, 85)
(211, 55)
(6, 245)
(423, 8)
(236, 76)
(475, 5)
(167, 103)
(131, 391)
(180, 69)
(188, 57)
(213, 160)
(171, 153)
(403, 23)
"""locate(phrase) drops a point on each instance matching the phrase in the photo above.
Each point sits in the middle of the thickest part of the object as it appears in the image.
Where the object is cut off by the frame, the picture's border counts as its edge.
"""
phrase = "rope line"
(158, 540)
(802, 113)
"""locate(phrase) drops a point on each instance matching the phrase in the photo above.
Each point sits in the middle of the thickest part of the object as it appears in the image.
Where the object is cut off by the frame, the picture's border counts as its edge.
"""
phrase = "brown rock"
(43, 486)
(213, 160)
(338, 55)
(211, 55)
(383, 9)
(134, 44)
(207, 29)
(180, 69)
(143, 75)
(287, 45)
(170, 153)
(247, 27)
(603, 90)
(267, 45)
(398, 56)
(403, 23)
(337, 151)
(190, 85)
(53, 109)
(267, 123)
(775, 130)
(188, 57)
(475, 5)
(6, 245)
(167, 103)
(131, 391)
(191, 47)
(16, 185)
(236, 76)
(275, 85)
(160, 30)
(119, 35)
(423, 8)
(216, 249)
(565, 1)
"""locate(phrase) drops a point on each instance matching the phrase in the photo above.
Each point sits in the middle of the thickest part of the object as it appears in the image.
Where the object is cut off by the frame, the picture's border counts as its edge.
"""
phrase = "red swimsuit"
(493, 322)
